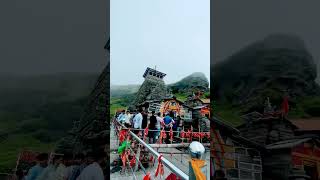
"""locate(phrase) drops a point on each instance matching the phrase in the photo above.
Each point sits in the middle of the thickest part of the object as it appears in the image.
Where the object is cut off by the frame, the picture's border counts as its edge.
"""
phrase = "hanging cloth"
(147, 176)
(160, 169)
(173, 176)
(122, 135)
(171, 134)
(146, 131)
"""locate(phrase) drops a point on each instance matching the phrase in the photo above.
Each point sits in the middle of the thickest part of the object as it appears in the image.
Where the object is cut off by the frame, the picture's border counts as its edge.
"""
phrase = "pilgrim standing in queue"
(37, 169)
(94, 171)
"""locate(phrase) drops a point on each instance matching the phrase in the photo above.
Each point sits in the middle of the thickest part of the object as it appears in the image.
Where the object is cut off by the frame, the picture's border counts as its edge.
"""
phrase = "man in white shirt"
(61, 169)
(127, 122)
(94, 170)
(158, 124)
(137, 121)
(121, 117)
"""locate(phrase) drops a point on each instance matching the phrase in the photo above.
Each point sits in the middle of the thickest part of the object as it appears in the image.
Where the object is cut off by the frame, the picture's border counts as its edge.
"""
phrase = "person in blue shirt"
(168, 123)
(36, 170)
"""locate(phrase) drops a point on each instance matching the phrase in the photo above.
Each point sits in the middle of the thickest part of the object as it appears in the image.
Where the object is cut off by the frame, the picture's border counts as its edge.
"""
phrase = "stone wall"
(268, 130)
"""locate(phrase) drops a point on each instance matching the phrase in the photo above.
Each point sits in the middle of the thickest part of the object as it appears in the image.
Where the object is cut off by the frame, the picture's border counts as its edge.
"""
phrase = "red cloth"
(160, 169)
(208, 135)
(164, 135)
(188, 133)
(182, 134)
(123, 158)
(147, 177)
(146, 132)
(285, 105)
(133, 161)
(122, 135)
(172, 176)
(196, 135)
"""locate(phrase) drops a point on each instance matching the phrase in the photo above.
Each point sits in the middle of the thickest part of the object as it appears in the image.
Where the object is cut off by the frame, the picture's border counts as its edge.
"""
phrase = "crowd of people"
(66, 167)
(142, 119)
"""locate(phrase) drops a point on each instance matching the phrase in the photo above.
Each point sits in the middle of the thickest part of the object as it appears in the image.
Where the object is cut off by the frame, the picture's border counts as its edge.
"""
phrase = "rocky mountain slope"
(194, 82)
(264, 69)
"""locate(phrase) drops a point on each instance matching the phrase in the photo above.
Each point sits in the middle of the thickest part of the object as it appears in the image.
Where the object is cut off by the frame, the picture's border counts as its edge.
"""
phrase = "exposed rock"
(264, 69)
(195, 82)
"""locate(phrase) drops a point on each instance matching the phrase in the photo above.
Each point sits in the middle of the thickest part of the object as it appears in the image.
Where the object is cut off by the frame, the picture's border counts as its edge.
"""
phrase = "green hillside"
(36, 111)
(273, 67)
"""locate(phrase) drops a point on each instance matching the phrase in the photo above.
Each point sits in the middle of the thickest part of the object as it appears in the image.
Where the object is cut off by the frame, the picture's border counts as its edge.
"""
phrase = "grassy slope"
(114, 105)
(306, 107)
(36, 107)
(228, 113)
(11, 147)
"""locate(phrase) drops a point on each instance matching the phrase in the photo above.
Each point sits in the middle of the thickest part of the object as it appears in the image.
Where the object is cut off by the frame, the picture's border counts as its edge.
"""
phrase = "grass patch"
(115, 104)
(228, 114)
(11, 147)
(181, 96)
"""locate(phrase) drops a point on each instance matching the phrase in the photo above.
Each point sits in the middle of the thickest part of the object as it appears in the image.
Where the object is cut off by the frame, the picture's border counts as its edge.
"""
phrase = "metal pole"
(137, 157)
(174, 145)
(166, 162)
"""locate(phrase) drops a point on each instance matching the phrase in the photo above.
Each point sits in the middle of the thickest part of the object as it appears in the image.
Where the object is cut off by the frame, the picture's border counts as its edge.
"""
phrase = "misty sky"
(174, 35)
(236, 24)
(39, 37)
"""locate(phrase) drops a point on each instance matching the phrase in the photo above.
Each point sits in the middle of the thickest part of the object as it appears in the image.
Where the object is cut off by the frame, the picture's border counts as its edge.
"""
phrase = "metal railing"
(165, 161)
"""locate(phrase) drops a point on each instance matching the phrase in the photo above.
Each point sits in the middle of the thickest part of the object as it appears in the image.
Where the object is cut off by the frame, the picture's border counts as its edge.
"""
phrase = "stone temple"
(152, 89)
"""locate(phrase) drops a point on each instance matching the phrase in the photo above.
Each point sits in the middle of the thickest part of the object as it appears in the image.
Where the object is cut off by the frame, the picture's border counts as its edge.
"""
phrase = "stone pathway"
(180, 160)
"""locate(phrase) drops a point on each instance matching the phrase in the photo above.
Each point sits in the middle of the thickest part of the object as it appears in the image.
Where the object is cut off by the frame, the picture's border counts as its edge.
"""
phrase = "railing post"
(166, 162)
(138, 157)
(197, 151)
